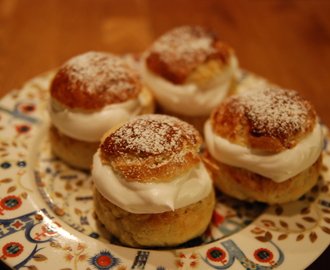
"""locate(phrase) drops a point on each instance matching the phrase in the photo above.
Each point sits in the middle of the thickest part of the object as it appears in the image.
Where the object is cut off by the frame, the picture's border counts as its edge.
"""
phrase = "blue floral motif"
(104, 260)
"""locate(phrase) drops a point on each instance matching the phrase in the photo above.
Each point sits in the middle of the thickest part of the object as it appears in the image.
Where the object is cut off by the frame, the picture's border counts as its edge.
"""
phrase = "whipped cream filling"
(90, 126)
(278, 166)
(143, 198)
(191, 99)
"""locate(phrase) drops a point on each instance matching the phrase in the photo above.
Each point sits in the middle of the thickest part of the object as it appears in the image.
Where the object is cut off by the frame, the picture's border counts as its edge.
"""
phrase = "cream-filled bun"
(264, 145)
(150, 186)
(91, 93)
(190, 72)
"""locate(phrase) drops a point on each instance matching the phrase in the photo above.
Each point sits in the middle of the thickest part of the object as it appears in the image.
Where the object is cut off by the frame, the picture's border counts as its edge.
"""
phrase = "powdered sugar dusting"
(185, 44)
(274, 111)
(150, 135)
(98, 70)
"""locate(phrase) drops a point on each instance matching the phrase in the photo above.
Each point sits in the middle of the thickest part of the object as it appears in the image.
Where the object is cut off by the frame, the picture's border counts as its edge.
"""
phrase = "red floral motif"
(17, 224)
(10, 203)
(69, 257)
(104, 260)
(82, 257)
(22, 129)
(216, 254)
(48, 229)
(193, 256)
(182, 255)
(257, 230)
(264, 255)
(179, 263)
(27, 108)
(11, 250)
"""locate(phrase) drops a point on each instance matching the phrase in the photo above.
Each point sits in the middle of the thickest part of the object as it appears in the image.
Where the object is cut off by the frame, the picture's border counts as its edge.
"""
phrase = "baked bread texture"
(264, 145)
(151, 188)
(91, 93)
(190, 70)
(167, 229)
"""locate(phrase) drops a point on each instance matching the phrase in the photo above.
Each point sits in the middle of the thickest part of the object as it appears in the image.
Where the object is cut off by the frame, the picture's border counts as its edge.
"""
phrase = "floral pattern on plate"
(47, 219)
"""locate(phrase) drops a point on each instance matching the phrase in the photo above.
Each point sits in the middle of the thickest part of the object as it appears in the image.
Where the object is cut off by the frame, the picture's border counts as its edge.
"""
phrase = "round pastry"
(151, 188)
(264, 145)
(190, 71)
(91, 93)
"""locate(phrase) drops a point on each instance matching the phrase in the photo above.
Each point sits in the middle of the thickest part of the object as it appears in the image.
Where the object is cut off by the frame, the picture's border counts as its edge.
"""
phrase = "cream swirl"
(142, 198)
(90, 126)
(278, 166)
(191, 99)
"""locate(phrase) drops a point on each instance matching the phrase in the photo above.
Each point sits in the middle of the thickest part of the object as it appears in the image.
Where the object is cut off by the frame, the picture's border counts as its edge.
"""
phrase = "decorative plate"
(47, 219)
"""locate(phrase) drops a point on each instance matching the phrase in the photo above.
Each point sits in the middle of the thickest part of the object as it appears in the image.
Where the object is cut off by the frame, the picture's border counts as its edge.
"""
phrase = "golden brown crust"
(166, 229)
(152, 148)
(246, 185)
(74, 152)
(176, 55)
(270, 119)
(93, 80)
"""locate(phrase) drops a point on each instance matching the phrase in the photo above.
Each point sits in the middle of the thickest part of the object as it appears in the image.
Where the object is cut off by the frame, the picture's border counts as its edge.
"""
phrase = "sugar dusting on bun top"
(175, 54)
(271, 119)
(152, 148)
(93, 80)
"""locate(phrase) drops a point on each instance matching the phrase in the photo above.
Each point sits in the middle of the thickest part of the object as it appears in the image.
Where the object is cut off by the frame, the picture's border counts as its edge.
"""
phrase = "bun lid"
(270, 119)
(92, 80)
(152, 148)
(178, 52)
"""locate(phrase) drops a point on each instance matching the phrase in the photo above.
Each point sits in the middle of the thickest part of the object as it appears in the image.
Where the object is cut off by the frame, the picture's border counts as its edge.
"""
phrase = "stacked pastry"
(91, 93)
(150, 186)
(190, 71)
(264, 145)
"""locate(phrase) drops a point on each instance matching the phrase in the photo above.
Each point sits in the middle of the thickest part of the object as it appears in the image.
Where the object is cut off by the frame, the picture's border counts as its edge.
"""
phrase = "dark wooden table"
(286, 41)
